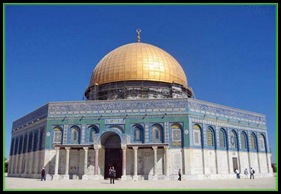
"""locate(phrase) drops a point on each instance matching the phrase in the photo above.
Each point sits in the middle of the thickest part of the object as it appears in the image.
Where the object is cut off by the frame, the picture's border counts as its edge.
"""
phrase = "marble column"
(96, 147)
(17, 157)
(21, 157)
(135, 177)
(124, 147)
(66, 175)
(85, 176)
(32, 158)
(26, 155)
(166, 168)
(56, 175)
(155, 161)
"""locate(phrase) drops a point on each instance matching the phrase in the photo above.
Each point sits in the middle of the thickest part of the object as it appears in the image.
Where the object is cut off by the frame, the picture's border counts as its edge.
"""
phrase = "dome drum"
(137, 90)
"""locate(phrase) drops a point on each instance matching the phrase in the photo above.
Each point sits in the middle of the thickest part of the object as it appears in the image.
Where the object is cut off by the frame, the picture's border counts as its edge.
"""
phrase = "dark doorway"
(113, 153)
(113, 157)
(235, 164)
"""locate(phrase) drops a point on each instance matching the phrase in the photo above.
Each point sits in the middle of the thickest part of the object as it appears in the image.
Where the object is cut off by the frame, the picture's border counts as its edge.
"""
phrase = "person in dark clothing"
(43, 174)
(252, 172)
(179, 175)
(112, 174)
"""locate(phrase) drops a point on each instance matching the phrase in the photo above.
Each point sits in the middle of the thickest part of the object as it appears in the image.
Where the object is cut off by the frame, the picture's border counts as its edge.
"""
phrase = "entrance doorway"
(113, 157)
(113, 153)
(235, 163)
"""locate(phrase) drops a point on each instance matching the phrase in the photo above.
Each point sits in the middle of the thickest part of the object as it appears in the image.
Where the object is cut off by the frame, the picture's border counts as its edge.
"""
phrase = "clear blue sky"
(228, 52)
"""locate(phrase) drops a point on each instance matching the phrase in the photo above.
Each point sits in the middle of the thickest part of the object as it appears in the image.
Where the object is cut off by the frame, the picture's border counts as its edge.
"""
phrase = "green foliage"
(6, 165)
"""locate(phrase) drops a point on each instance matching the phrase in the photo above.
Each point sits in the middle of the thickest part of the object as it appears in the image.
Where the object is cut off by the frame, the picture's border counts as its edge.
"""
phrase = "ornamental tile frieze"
(197, 106)
(116, 105)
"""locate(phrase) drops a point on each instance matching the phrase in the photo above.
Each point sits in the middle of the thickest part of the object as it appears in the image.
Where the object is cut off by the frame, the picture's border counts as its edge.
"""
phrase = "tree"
(6, 165)
(274, 167)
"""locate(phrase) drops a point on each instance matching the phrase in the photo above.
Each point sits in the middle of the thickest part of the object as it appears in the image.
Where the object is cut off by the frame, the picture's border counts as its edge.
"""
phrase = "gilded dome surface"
(138, 61)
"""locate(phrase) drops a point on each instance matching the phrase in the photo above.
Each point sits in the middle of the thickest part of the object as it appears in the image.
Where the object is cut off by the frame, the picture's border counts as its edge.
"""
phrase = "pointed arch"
(244, 141)
(262, 142)
(222, 138)
(57, 135)
(233, 140)
(157, 133)
(93, 130)
(75, 134)
(177, 134)
(197, 135)
(211, 137)
(138, 133)
(253, 141)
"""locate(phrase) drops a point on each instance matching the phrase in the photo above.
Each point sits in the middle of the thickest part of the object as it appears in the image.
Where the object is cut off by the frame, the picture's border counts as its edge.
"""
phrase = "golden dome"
(138, 61)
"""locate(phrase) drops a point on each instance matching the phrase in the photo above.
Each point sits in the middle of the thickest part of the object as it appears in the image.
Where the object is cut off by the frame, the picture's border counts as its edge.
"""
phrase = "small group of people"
(252, 172)
(112, 174)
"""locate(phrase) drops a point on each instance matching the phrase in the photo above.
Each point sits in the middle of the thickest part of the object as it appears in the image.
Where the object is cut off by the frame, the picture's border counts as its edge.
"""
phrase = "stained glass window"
(196, 135)
(210, 137)
(222, 138)
(57, 135)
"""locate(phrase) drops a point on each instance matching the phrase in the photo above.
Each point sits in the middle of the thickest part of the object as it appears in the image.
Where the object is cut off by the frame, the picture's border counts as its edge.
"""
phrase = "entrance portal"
(113, 153)
(113, 157)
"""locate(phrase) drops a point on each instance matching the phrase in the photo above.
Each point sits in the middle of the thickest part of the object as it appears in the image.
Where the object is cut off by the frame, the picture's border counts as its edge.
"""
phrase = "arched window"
(176, 134)
(138, 133)
(196, 135)
(210, 137)
(93, 131)
(222, 136)
(261, 142)
(244, 142)
(233, 140)
(57, 138)
(157, 134)
(253, 142)
(75, 136)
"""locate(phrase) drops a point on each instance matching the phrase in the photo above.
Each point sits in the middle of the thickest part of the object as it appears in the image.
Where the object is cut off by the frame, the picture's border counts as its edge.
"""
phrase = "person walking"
(179, 175)
(113, 175)
(246, 173)
(252, 172)
(43, 174)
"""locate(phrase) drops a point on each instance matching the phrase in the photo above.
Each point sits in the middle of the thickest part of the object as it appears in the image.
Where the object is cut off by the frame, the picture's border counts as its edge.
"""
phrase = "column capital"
(166, 147)
(135, 147)
(57, 148)
(96, 146)
(67, 148)
(86, 148)
(123, 147)
(154, 147)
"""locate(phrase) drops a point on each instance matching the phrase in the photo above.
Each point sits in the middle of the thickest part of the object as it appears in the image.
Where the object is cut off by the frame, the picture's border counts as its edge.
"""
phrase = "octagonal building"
(141, 117)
